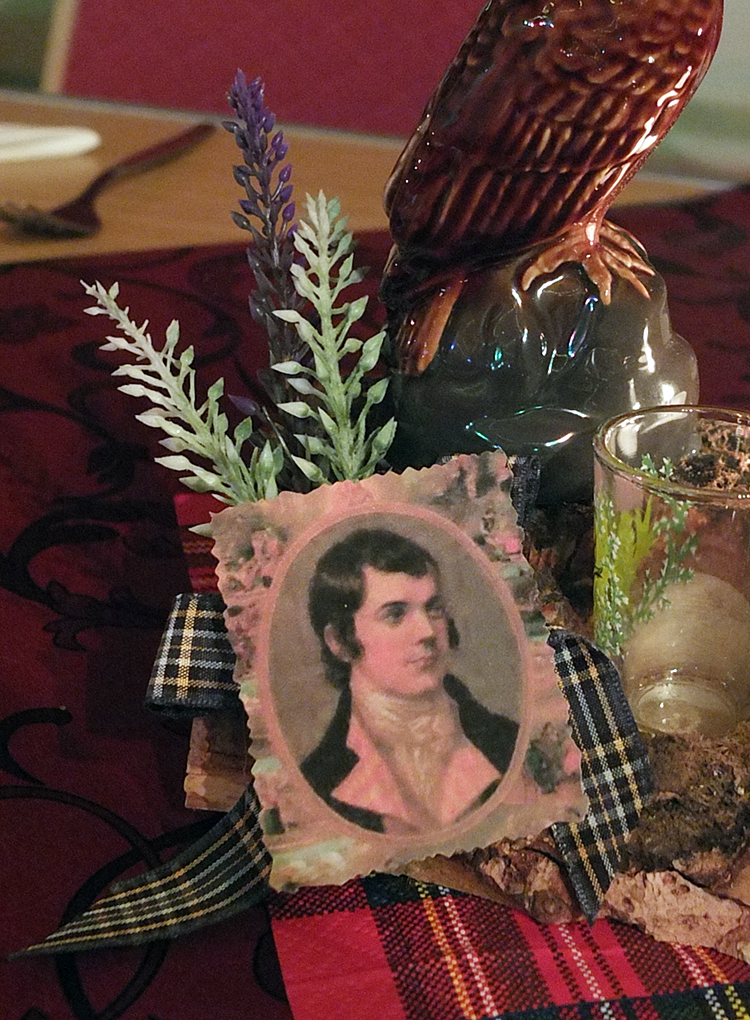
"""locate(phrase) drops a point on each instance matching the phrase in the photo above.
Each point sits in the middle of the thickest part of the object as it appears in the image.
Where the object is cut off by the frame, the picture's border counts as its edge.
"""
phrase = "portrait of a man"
(394, 666)
(409, 749)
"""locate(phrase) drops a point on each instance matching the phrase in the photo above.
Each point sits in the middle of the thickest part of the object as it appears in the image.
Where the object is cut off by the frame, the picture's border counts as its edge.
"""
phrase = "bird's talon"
(615, 253)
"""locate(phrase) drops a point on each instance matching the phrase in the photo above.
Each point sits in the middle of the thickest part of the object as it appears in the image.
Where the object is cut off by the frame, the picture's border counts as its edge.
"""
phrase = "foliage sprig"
(343, 449)
(640, 554)
(304, 267)
(167, 380)
(335, 400)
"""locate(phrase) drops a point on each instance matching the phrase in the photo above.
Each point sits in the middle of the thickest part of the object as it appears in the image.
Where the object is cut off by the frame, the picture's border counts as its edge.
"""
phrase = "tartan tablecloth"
(403, 950)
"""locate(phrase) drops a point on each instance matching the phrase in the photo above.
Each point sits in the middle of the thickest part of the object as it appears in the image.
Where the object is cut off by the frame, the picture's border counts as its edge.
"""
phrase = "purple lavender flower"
(267, 213)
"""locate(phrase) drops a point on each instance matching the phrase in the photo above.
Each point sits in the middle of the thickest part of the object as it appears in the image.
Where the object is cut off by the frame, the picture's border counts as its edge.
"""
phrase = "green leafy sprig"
(639, 555)
(343, 448)
(678, 546)
(335, 402)
(167, 380)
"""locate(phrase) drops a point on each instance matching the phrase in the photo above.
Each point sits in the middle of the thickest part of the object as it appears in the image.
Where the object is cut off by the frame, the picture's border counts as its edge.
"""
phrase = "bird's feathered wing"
(548, 109)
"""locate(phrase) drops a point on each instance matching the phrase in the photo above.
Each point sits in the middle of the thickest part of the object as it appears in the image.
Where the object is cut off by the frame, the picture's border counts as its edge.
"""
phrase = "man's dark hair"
(337, 588)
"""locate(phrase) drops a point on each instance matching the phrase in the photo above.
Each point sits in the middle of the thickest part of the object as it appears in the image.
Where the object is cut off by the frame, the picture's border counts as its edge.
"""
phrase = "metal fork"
(79, 217)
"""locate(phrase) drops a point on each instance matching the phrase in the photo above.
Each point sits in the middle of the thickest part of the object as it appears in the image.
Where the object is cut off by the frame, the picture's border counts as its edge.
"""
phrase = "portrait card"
(402, 700)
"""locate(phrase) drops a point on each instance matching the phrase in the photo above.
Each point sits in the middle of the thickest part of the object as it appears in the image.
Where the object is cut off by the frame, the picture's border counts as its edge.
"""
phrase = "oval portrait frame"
(281, 643)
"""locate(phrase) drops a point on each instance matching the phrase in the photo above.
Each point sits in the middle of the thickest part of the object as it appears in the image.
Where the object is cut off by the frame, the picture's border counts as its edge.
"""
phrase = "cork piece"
(218, 766)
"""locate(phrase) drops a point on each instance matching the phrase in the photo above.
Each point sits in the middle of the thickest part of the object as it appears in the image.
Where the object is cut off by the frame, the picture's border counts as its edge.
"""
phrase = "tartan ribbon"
(193, 670)
(615, 768)
(226, 870)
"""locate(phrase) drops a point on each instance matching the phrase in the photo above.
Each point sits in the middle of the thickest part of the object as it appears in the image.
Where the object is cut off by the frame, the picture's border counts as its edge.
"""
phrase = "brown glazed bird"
(547, 111)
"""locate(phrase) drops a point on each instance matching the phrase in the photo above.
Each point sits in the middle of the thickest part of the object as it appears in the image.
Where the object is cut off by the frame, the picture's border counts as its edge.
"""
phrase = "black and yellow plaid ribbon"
(226, 870)
(615, 768)
(193, 669)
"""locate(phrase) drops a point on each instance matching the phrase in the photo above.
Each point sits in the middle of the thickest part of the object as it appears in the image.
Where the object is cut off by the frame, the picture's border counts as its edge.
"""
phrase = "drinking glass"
(672, 576)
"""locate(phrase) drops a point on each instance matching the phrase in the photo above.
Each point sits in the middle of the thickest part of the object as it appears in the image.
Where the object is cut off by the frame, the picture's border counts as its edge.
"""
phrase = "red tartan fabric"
(192, 508)
(450, 955)
(90, 559)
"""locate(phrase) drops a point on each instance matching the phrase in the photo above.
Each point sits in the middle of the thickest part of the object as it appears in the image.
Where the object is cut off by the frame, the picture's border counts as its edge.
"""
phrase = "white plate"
(22, 141)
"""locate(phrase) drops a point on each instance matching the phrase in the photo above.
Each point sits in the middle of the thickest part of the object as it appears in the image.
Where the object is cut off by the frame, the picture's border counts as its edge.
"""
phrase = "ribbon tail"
(221, 874)
(615, 768)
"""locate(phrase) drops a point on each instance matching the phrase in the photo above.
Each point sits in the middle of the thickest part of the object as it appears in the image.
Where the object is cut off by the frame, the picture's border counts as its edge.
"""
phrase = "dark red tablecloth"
(90, 559)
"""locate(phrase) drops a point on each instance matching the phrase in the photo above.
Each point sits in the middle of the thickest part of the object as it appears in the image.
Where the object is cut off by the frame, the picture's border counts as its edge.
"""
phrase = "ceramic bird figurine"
(497, 209)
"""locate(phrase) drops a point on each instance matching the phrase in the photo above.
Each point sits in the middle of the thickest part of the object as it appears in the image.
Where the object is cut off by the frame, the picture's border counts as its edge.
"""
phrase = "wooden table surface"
(188, 201)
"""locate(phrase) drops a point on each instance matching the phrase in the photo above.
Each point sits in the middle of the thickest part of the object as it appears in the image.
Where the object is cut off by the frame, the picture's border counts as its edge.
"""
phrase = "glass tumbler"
(672, 575)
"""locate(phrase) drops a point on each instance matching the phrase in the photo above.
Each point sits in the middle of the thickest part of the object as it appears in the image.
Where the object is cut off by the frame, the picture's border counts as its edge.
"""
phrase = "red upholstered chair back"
(361, 65)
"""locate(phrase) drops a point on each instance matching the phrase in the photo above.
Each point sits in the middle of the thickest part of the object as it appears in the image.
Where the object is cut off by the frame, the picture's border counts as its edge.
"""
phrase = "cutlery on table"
(79, 217)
